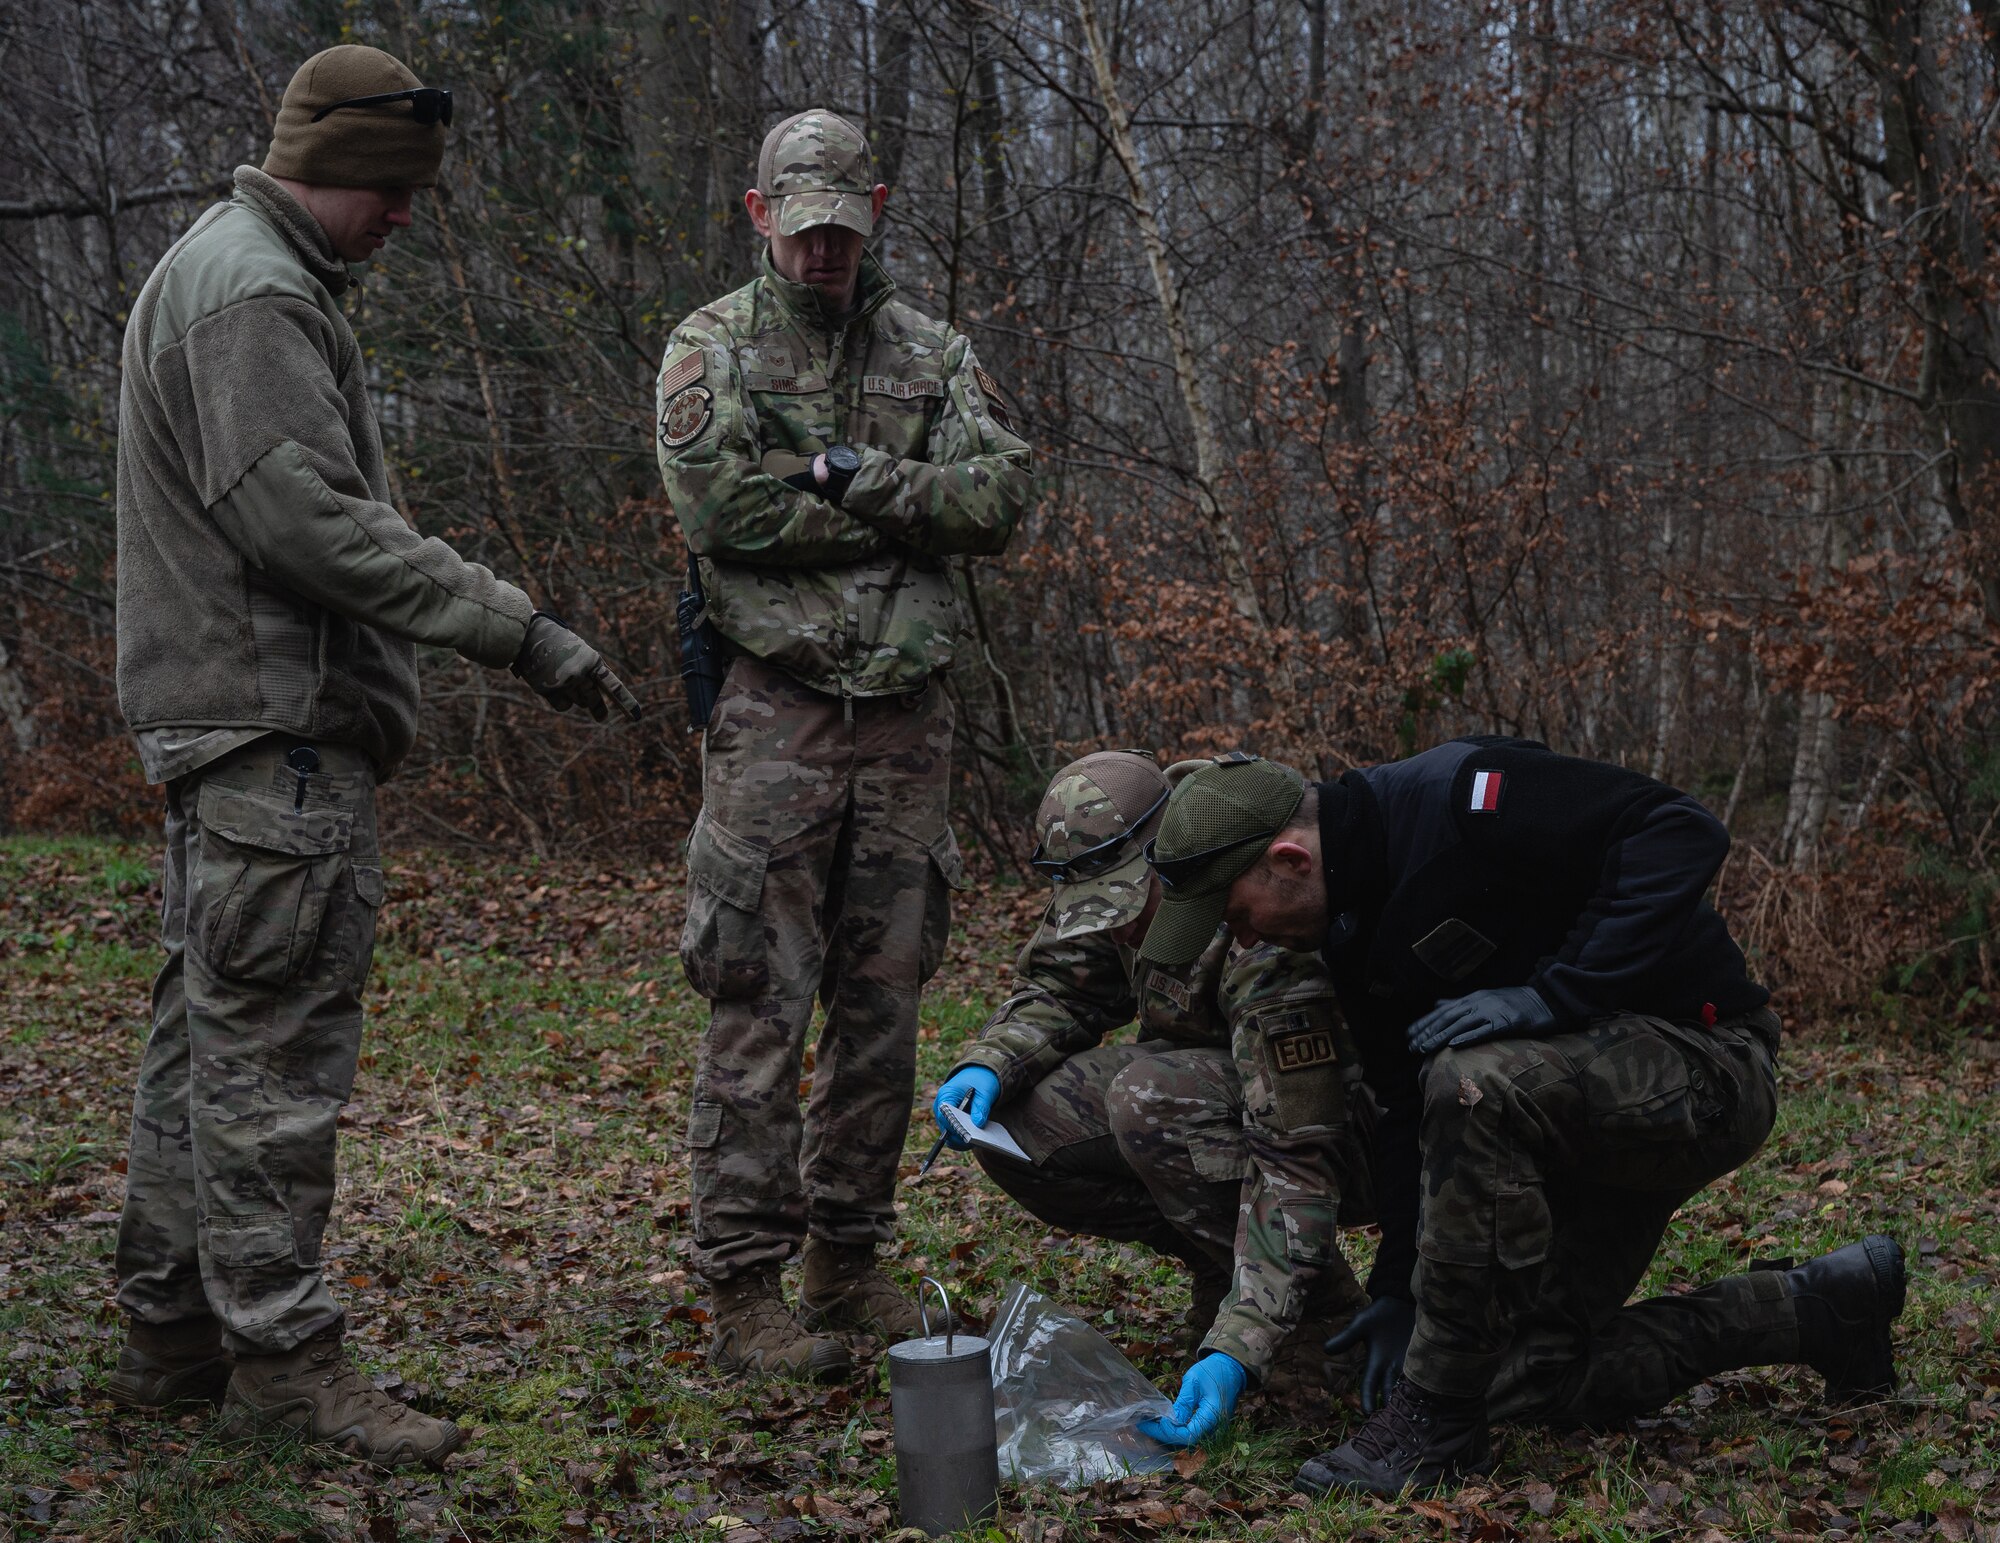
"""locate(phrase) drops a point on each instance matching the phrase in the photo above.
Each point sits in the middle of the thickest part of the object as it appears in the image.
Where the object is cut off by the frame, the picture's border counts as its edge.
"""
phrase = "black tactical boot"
(161, 1365)
(1847, 1300)
(1416, 1440)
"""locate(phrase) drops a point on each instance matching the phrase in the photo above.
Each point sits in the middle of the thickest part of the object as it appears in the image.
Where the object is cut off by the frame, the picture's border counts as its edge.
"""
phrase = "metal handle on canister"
(941, 1406)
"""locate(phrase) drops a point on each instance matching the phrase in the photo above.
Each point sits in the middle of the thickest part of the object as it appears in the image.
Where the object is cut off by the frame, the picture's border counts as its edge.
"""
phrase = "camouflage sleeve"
(710, 461)
(970, 494)
(1068, 994)
(1287, 1037)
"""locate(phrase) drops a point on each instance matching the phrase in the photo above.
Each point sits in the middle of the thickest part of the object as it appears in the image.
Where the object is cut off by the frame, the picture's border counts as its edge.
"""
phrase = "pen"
(937, 1146)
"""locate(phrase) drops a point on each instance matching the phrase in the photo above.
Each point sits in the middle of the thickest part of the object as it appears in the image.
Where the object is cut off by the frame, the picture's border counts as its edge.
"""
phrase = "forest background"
(1616, 372)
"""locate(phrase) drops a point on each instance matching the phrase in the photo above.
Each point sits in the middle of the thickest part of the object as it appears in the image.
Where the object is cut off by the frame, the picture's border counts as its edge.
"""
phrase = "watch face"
(844, 458)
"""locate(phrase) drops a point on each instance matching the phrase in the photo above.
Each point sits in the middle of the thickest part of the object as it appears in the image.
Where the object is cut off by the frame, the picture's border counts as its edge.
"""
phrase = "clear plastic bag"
(1065, 1400)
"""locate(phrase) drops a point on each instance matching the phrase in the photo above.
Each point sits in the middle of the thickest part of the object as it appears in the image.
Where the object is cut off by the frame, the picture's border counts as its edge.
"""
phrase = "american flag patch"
(1486, 792)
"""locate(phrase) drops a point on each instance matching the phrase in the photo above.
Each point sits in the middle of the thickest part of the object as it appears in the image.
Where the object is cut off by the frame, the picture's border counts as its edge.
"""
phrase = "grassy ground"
(511, 1237)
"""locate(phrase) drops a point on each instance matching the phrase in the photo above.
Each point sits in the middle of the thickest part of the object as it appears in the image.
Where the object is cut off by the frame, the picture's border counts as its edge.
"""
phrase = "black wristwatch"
(842, 462)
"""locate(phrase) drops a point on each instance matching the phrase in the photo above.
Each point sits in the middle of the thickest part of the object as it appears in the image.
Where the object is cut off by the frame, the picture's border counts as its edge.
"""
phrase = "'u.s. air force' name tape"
(902, 390)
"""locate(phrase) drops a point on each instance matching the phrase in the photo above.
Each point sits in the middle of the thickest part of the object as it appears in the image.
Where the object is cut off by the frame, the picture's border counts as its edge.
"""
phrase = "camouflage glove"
(567, 672)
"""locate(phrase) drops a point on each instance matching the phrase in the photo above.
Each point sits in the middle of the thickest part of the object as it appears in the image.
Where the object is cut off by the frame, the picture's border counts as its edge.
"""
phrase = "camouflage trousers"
(269, 929)
(1552, 1168)
(820, 869)
(1146, 1144)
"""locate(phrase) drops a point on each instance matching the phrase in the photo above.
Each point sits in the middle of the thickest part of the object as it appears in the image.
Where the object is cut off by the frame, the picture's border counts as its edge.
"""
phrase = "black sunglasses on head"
(428, 104)
(1176, 871)
(1092, 861)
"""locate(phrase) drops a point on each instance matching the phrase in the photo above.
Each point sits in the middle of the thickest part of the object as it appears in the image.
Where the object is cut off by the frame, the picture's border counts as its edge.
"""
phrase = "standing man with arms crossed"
(826, 449)
(1567, 1046)
(269, 600)
(1231, 1135)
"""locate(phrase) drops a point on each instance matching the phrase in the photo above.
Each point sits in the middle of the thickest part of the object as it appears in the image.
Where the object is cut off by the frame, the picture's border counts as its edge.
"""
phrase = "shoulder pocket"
(261, 882)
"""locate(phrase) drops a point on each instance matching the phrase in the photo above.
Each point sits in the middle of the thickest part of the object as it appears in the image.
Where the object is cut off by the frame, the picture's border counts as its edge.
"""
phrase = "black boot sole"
(1320, 1479)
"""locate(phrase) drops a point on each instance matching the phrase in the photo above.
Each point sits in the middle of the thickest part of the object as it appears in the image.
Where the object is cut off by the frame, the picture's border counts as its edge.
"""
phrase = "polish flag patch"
(1486, 792)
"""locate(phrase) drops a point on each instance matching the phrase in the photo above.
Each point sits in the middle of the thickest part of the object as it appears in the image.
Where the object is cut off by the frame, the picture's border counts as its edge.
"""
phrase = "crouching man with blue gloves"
(1231, 1135)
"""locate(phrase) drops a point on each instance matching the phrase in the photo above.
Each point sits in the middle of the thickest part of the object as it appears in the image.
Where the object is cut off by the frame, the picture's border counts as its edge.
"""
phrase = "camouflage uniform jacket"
(853, 599)
(1275, 1011)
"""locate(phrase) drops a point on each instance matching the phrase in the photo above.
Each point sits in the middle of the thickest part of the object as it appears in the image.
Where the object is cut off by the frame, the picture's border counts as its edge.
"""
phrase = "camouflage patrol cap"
(1094, 822)
(814, 170)
(1219, 821)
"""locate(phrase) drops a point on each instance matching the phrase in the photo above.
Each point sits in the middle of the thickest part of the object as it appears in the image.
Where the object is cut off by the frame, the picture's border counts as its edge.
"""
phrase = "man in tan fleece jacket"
(270, 598)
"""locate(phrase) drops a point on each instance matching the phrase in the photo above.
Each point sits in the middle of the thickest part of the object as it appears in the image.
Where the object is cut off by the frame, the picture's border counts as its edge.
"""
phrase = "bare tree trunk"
(14, 703)
(1237, 579)
(892, 90)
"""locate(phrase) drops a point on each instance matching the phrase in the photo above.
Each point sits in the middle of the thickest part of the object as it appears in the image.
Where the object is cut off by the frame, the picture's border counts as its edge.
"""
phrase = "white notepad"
(993, 1136)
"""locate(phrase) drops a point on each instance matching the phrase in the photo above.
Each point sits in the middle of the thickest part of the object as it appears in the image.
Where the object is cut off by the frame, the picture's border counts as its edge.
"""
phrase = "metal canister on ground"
(941, 1404)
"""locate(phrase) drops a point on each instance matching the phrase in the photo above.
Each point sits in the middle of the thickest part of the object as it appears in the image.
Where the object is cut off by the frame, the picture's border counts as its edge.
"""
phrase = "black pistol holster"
(704, 655)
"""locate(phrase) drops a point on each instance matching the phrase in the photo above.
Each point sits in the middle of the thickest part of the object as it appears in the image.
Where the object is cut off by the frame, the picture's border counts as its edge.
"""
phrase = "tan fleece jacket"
(264, 578)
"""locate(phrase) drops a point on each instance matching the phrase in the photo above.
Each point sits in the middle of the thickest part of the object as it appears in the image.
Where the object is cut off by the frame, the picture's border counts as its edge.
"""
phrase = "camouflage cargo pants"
(269, 928)
(820, 869)
(1551, 1170)
(1146, 1144)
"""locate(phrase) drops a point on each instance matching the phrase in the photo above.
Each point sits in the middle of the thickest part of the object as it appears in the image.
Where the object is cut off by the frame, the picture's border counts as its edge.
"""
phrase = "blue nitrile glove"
(1384, 1326)
(1208, 1393)
(1489, 1014)
(971, 1088)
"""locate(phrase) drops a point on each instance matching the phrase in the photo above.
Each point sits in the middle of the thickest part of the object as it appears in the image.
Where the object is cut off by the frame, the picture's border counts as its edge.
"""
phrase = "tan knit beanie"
(356, 147)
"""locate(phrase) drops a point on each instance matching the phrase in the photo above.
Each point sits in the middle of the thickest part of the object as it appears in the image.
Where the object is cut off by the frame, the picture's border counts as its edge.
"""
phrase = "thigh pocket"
(1219, 1156)
(262, 881)
(1311, 1231)
(1638, 1091)
(347, 941)
(723, 947)
(947, 874)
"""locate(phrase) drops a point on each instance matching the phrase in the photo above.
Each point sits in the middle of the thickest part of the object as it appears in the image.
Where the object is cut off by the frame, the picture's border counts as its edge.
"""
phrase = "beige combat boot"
(161, 1365)
(315, 1391)
(841, 1288)
(755, 1332)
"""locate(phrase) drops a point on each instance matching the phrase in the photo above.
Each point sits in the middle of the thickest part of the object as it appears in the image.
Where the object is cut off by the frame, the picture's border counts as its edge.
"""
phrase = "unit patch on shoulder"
(685, 416)
(1485, 792)
(993, 403)
(683, 372)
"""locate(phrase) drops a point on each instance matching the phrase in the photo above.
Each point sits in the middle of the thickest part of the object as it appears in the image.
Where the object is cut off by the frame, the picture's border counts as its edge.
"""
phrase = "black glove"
(1384, 1326)
(567, 672)
(1490, 1014)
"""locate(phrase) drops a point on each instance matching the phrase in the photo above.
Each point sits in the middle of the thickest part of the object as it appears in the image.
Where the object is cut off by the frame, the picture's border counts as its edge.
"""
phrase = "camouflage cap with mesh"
(1091, 831)
(814, 170)
(1219, 821)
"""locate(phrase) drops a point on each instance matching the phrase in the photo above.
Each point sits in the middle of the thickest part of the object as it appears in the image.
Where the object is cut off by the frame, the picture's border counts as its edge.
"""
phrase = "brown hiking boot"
(1302, 1365)
(754, 1331)
(841, 1288)
(315, 1391)
(163, 1364)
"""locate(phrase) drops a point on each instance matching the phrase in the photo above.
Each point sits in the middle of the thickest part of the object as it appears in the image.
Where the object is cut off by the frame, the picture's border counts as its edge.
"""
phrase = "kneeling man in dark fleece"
(1566, 1046)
